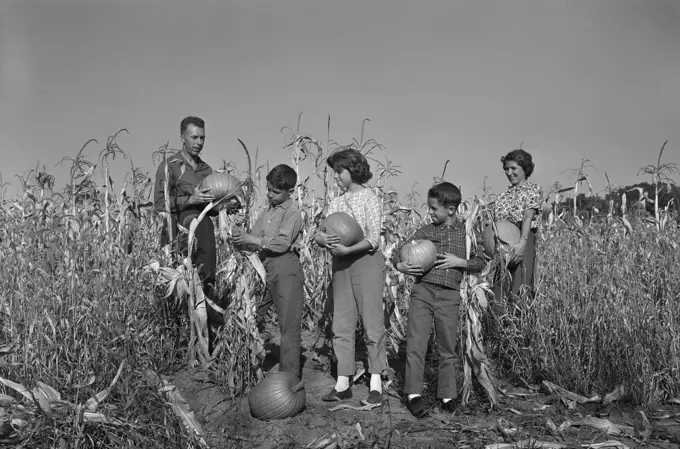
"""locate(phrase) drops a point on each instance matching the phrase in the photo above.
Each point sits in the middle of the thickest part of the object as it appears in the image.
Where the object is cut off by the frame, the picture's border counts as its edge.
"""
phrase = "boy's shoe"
(450, 407)
(418, 407)
(334, 395)
(374, 397)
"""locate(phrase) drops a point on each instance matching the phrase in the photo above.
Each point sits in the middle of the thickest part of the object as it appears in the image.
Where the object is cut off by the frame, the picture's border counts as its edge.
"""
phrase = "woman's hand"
(517, 252)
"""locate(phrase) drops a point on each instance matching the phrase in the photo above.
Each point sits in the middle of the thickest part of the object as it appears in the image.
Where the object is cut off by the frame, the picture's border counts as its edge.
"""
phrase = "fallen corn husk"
(605, 424)
(550, 445)
(179, 405)
(568, 395)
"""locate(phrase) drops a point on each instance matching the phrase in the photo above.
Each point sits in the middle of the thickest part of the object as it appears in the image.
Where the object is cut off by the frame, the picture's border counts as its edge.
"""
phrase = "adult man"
(186, 170)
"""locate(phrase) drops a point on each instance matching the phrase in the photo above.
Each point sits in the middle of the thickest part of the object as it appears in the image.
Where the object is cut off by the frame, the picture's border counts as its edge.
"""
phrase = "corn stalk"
(660, 176)
(473, 292)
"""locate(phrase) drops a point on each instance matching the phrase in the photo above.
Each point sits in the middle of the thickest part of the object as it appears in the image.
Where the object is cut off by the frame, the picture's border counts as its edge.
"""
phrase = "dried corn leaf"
(93, 402)
(568, 395)
(605, 424)
(100, 418)
(25, 392)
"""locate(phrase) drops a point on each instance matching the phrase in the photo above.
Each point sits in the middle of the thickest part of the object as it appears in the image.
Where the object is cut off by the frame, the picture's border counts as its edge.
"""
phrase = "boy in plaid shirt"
(436, 297)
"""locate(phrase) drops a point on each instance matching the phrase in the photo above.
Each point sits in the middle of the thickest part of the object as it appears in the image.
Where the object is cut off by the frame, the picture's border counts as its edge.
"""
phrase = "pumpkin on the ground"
(277, 396)
(345, 226)
(220, 184)
(419, 252)
(508, 235)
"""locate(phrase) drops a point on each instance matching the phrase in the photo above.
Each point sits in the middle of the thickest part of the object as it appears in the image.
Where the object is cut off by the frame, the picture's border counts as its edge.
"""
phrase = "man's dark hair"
(191, 120)
(446, 194)
(353, 161)
(282, 177)
(522, 158)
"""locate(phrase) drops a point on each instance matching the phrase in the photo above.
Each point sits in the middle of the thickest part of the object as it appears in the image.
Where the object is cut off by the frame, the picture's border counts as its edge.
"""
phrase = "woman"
(521, 205)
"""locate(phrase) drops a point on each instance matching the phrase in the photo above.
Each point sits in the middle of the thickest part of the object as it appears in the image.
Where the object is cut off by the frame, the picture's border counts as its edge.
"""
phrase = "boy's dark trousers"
(431, 303)
(285, 289)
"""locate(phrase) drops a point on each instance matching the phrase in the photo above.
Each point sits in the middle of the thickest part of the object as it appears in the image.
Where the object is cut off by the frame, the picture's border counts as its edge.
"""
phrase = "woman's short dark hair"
(522, 158)
(353, 161)
(446, 194)
(282, 177)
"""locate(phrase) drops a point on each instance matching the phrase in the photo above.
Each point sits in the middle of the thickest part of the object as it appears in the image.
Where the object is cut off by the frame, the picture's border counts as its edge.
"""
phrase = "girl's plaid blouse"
(366, 208)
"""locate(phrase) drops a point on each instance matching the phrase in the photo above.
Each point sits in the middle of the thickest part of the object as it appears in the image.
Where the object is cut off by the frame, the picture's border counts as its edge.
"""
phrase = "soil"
(524, 414)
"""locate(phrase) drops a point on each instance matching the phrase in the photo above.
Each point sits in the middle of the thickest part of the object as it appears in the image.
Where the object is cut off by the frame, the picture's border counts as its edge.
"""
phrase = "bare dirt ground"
(526, 413)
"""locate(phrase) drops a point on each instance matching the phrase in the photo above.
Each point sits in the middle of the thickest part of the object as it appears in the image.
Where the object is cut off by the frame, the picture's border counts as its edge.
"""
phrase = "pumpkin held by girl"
(277, 396)
(345, 227)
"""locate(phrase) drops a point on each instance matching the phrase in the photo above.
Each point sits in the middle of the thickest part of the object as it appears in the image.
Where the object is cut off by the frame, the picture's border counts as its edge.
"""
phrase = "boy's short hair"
(282, 177)
(353, 161)
(446, 194)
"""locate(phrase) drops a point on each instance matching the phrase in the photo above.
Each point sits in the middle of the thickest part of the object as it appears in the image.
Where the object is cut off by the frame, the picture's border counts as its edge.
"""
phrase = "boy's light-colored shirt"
(279, 227)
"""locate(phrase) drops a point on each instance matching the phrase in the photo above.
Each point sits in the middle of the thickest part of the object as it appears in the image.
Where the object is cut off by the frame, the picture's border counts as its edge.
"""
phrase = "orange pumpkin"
(277, 396)
(345, 226)
(508, 235)
(419, 252)
(220, 184)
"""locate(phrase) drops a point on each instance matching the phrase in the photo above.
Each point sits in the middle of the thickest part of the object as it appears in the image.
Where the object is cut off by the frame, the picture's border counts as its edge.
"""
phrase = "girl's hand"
(447, 260)
(339, 250)
(517, 252)
(326, 240)
(412, 269)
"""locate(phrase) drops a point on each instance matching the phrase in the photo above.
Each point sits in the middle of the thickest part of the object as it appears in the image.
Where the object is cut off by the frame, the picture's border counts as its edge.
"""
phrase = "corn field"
(92, 310)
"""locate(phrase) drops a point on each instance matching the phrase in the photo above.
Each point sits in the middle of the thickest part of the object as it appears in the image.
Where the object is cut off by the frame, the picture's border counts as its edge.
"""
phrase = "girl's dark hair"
(282, 177)
(522, 158)
(446, 194)
(353, 161)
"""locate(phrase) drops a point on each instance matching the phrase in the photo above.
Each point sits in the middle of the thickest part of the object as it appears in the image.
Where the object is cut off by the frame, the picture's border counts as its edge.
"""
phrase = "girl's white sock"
(376, 383)
(445, 400)
(411, 396)
(342, 384)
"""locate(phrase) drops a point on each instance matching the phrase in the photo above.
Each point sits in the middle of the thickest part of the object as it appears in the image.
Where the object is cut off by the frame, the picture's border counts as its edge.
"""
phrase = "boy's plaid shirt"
(447, 239)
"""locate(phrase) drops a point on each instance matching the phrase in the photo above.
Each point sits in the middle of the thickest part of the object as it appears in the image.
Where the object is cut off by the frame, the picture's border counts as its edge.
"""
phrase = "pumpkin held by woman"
(346, 228)
(508, 235)
(220, 184)
(277, 396)
(419, 252)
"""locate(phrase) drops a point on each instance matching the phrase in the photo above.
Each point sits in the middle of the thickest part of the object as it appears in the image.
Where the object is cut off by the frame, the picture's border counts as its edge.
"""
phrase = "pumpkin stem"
(299, 386)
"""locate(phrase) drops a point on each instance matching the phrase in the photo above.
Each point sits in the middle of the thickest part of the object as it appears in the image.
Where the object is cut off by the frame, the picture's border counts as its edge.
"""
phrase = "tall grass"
(606, 313)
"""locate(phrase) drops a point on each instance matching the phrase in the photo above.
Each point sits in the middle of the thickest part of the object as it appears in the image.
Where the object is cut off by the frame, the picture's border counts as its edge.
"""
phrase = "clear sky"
(460, 80)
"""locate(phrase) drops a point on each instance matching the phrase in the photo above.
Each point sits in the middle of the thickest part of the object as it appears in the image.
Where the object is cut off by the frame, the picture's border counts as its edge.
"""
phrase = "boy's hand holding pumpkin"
(447, 260)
